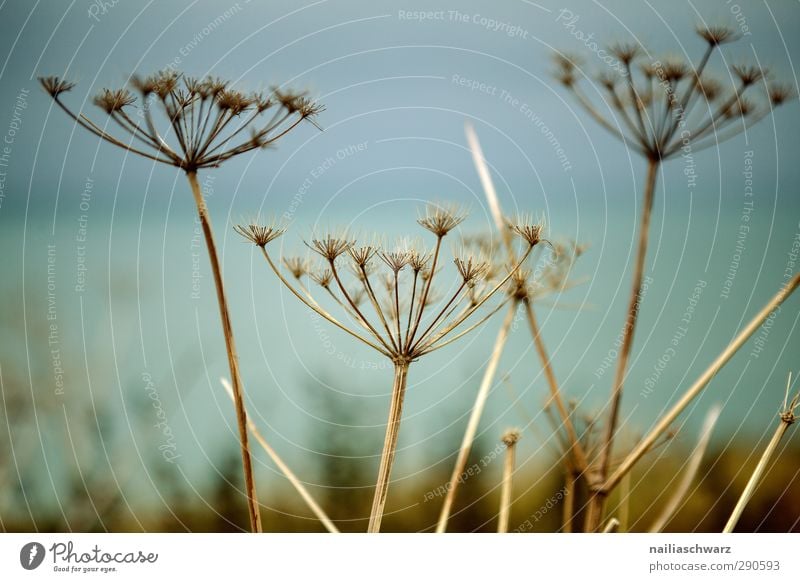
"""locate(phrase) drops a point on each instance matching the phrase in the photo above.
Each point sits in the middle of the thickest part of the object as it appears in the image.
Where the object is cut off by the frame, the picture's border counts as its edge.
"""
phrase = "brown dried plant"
(665, 109)
(398, 284)
(203, 123)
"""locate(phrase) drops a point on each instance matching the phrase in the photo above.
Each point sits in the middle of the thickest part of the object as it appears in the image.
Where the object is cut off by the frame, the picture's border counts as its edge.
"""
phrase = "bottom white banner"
(356, 557)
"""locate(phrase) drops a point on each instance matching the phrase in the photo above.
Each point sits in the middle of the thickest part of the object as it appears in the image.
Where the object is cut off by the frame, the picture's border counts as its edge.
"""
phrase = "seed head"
(322, 277)
(395, 260)
(297, 266)
(748, 74)
(529, 230)
(441, 219)
(625, 52)
(55, 86)
(112, 101)
(330, 247)
(471, 269)
(260, 235)
(418, 260)
(511, 437)
(361, 255)
(716, 35)
(780, 94)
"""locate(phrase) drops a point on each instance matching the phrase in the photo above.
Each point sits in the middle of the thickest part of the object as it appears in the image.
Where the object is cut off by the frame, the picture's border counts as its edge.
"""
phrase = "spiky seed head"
(520, 289)
(395, 260)
(418, 260)
(55, 85)
(607, 80)
(742, 107)
(357, 296)
(748, 74)
(626, 52)
(361, 255)
(674, 69)
(233, 101)
(111, 101)
(716, 35)
(322, 277)
(471, 269)
(442, 218)
(330, 246)
(511, 437)
(297, 266)
(710, 88)
(780, 94)
(260, 235)
(528, 229)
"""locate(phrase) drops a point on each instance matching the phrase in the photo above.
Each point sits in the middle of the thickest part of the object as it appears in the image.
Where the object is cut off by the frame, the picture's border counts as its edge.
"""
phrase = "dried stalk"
(692, 467)
(612, 526)
(664, 423)
(510, 439)
(787, 419)
(233, 360)
(389, 446)
(475, 417)
(597, 502)
(284, 468)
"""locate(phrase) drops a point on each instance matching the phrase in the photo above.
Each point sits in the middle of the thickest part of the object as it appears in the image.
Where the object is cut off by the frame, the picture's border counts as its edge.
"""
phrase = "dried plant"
(203, 124)
(510, 439)
(666, 108)
(524, 290)
(786, 418)
(407, 323)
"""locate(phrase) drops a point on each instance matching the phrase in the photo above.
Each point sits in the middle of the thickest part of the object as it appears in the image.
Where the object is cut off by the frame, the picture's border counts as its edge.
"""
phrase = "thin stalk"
(692, 467)
(284, 468)
(664, 423)
(787, 418)
(475, 417)
(575, 450)
(568, 510)
(233, 361)
(597, 501)
(612, 526)
(389, 445)
(505, 493)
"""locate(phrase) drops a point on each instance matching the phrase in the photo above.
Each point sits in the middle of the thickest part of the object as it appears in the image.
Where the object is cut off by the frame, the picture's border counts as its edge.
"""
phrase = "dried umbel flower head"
(665, 106)
(330, 246)
(442, 218)
(258, 234)
(297, 266)
(203, 123)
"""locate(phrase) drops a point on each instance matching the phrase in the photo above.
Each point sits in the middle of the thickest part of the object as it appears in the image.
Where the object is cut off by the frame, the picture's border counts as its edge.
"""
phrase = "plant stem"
(570, 480)
(787, 419)
(664, 423)
(475, 417)
(284, 468)
(692, 467)
(597, 500)
(575, 449)
(233, 361)
(389, 445)
(505, 493)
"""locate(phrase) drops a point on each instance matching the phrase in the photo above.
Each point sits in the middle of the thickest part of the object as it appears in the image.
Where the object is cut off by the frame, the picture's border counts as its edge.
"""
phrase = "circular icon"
(31, 555)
